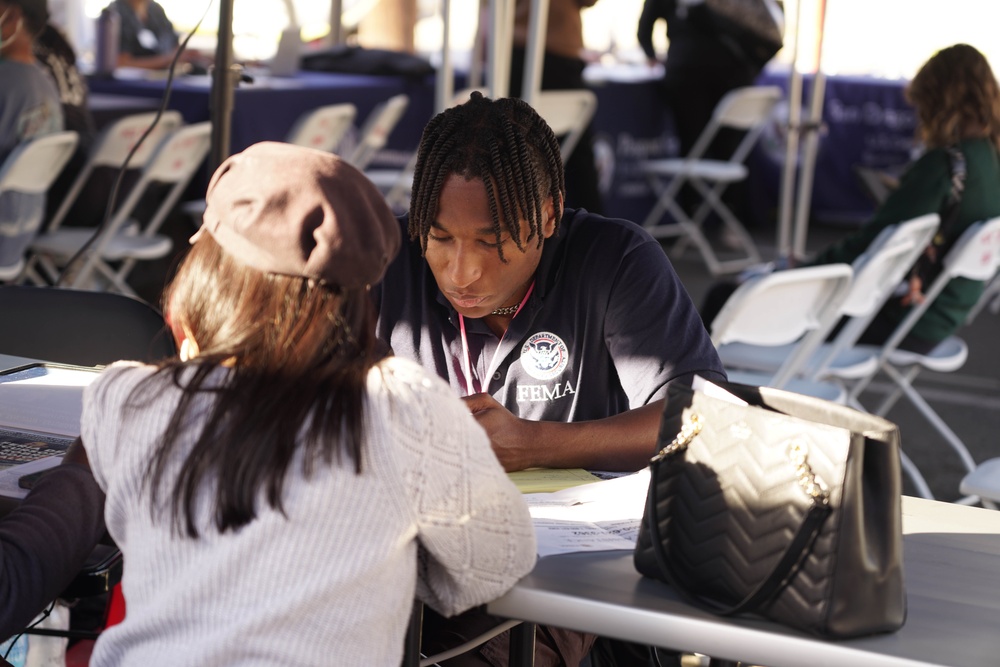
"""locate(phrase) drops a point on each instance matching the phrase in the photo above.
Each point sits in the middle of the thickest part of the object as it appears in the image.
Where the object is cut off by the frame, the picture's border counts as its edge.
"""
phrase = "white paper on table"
(44, 399)
(592, 517)
(10, 476)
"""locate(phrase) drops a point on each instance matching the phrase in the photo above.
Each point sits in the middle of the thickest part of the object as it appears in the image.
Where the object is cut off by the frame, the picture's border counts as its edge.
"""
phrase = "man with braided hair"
(561, 328)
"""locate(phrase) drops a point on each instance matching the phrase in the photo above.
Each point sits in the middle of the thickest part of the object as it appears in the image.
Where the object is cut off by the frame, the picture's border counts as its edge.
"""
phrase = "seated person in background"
(45, 540)
(561, 328)
(957, 102)
(147, 38)
(57, 56)
(280, 493)
(29, 106)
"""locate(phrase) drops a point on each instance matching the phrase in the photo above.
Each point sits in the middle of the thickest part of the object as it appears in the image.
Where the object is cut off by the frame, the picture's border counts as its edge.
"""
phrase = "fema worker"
(561, 328)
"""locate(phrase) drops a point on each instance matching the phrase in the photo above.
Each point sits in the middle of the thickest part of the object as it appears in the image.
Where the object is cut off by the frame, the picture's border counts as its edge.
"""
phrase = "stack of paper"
(601, 516)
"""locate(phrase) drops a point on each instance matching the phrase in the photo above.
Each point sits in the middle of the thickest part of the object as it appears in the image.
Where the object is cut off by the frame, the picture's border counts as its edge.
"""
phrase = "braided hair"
(506, 144)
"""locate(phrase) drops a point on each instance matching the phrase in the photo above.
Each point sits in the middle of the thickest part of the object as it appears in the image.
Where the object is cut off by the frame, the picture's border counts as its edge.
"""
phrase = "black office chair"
(80, 327)
(86, 329)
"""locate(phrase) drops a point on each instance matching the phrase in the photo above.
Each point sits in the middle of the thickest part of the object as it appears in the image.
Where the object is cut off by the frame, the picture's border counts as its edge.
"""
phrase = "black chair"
(86, 329)
(80, 327)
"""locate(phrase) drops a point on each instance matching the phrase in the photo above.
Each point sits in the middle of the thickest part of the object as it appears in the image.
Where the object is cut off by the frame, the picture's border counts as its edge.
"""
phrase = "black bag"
(358, 60)
(788, 507)
(750, 28)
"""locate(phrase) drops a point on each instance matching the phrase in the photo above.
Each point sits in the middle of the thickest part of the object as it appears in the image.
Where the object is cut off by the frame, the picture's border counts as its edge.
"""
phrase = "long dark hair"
(297, 355)
(505, 143)
(956, 96)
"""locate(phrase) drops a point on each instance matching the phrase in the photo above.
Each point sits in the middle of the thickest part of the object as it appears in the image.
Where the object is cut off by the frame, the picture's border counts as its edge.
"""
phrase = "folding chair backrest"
(975, 255)
(568, 112)
(784, 307)
(886, 262)
(81, 327)
(375, 132)
(877, 273)
(31, 168)
(34, 164)
(115, 142)
(175, 162)
(324, 127)
(112, 146)
(747, 108)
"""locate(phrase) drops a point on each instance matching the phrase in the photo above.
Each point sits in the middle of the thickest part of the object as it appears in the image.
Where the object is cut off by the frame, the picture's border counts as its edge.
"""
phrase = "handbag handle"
(765, 590)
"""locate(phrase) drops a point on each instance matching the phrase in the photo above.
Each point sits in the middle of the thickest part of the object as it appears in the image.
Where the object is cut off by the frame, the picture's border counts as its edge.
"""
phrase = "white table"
(952, 578)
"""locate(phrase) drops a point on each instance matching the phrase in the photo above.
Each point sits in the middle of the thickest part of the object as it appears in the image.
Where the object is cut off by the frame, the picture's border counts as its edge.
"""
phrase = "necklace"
(506, 310)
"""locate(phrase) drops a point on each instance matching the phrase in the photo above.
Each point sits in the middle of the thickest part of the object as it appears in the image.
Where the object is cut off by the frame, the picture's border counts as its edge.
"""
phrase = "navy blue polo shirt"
(606, 327)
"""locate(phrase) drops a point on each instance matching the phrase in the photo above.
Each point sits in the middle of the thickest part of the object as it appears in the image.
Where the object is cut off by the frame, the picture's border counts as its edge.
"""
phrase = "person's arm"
(651, 12)
(923, 189)
(654, 336)
(624, 442)
(45, 540)
(475, 533)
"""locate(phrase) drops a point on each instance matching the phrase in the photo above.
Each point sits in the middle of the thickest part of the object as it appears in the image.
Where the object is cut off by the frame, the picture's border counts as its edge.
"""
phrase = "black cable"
(13, 640)
(112, 199)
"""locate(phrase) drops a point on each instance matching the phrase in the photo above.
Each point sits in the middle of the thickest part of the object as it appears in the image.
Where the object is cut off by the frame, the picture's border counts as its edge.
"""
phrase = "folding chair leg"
(522, 645)
(911, 470)
(918, 401)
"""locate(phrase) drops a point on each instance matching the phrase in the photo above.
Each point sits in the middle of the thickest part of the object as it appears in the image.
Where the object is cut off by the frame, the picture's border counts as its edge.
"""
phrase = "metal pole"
(445, 83)
(535, 48)
(336, 22)
(812, 130)
(790, 167)
(223, 87)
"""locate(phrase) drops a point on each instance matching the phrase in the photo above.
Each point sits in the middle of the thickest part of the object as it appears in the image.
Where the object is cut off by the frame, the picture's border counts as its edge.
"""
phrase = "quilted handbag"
(786, 506)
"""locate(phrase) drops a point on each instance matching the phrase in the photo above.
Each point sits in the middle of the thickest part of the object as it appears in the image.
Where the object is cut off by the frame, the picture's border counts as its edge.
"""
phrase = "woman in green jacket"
(957, 101)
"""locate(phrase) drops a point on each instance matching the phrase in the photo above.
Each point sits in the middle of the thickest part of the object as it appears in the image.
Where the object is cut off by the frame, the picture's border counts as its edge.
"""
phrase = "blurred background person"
(29, 107)
(703, 62)
(956, 97)
(562, 69)
(957, 100)
(147, 37)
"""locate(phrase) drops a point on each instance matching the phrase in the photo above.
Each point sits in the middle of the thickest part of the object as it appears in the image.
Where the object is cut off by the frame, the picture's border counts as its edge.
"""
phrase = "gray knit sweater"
(331, 583)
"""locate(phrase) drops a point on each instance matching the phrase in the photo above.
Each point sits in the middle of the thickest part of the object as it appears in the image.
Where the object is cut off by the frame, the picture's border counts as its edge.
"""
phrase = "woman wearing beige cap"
(279, 492)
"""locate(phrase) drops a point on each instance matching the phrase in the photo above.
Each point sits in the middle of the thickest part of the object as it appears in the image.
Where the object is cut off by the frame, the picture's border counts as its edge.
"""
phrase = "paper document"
(600, 516)
(44, 399)
(543, 480)
(10, 476)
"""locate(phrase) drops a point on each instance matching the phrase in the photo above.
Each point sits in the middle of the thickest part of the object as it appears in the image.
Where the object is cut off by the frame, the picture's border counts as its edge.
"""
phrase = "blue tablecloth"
(867, 122)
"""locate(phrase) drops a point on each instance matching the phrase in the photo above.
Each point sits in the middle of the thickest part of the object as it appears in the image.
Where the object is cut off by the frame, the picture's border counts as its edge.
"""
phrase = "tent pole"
(444, 89)
(790, 166)
(812, 129)
(223, 88)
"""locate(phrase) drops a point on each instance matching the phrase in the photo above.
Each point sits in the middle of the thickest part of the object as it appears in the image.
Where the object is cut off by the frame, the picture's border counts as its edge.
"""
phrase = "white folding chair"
(111, 148)
(375, 132)
(397, 184)
(174, 163)
(25, 177)
(323, 127)
(568, 112)
(877, 272)
(746, 109)
(974, 256)
(797, 306)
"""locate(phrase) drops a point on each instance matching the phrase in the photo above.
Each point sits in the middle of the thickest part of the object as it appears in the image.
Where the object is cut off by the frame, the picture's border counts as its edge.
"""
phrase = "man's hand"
(510, 436)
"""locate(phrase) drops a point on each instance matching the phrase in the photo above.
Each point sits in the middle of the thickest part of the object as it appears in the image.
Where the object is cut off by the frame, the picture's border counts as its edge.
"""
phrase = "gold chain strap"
(688, 432)
(812, 485)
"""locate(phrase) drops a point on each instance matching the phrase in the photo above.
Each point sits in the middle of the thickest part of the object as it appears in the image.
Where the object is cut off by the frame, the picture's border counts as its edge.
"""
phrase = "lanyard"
(495, 361)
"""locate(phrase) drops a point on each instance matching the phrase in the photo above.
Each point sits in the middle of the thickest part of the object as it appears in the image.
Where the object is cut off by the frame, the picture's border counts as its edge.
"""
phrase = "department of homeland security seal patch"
(544, 356)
